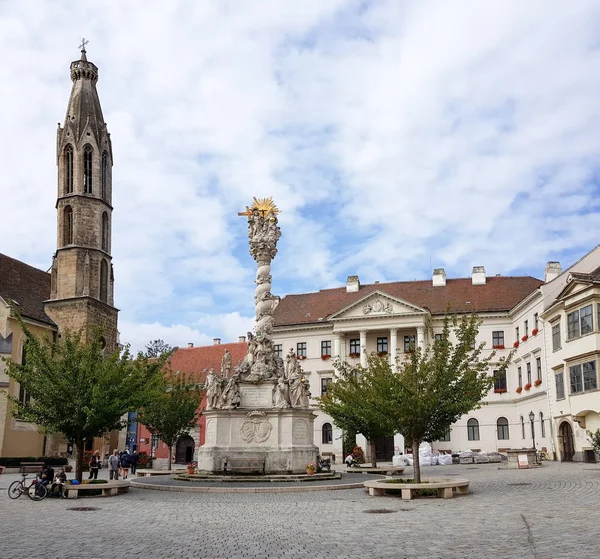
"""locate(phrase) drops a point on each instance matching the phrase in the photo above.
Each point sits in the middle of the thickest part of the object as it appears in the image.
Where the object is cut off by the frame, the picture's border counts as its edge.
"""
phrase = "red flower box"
(301, 356)
(537, 382)
(534, 332)
(382, 353)
(325, 357)
(516, 344)
(519, 389)
(354, 355)
(498, 346)
(527, 386)
(499, 390)
(524, 338)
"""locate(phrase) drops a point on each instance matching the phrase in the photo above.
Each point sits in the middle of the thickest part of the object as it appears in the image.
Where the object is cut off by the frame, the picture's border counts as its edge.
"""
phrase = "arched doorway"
(184, 450)
(565, 437)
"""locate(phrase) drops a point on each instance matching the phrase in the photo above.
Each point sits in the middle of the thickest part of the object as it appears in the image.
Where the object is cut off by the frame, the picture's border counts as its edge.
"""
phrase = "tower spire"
(82, 47)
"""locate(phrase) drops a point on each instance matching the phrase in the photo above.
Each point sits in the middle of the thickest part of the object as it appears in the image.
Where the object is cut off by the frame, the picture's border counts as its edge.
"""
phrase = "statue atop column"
(226, 364)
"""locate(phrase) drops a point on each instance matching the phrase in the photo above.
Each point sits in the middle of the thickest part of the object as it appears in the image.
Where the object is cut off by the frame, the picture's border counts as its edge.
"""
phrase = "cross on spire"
(82, 45)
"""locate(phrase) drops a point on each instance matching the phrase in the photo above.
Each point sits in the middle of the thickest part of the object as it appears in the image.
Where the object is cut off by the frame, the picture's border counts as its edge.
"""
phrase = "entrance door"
(566, 441)
(184, 451)
(384, 449)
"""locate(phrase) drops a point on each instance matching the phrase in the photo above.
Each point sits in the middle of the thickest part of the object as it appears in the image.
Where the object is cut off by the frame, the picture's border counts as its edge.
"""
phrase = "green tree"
(438, 384)
(174, 410)
(353, 401)
(594, 438)
(76, 389)
(158, 348)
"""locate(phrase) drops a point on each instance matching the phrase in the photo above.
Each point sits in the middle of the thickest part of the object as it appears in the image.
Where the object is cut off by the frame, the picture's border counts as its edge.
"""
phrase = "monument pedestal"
(281, 437)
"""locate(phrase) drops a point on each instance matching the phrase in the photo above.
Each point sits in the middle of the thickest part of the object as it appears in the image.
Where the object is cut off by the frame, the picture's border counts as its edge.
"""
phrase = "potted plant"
(527, 386)
(519, 389)
(191, 468)
(354, 355)
(310, 469)
(325, 356)
(525, 338)
(301, 357)
(382, 353)
(534, 332)
(500, 346)
(499, 390)
(516, 344)
(537, 382)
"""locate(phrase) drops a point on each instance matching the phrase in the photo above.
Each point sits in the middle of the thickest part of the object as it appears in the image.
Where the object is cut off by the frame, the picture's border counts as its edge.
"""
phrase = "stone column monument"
(261, 412)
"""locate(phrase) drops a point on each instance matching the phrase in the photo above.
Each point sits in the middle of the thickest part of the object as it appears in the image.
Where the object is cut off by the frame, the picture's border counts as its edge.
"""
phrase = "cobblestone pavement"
(548, 513)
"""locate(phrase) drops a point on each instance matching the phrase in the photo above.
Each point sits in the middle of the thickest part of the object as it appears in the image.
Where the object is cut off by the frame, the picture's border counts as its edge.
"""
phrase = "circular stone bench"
(149, 473)
(385, 470)
(109, 489)
(444, 487)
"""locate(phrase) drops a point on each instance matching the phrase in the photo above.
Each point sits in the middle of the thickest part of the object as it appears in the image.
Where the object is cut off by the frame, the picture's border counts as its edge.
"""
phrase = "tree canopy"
(158, 348)
(174, 410)
(76, 389)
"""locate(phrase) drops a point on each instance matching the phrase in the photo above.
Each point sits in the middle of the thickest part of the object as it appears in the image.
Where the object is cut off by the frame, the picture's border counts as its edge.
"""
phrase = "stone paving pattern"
(547, 513)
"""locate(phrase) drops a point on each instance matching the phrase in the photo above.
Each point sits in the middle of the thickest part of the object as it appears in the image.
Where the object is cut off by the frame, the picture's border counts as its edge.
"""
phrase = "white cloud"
(390, 133)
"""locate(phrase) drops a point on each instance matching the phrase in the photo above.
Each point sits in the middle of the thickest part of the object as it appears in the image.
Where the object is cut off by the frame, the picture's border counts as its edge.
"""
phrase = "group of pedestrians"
(46, 477)
(119, 464)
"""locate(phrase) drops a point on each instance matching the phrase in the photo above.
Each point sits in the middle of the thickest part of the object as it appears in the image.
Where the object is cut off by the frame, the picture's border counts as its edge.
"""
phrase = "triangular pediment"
(376, 304)
(574, 285)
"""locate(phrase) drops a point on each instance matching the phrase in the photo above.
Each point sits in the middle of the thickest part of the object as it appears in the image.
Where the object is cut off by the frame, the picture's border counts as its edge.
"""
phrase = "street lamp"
(531, 418)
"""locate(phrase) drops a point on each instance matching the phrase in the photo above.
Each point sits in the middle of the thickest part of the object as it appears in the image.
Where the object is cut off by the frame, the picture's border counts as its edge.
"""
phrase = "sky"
(396, 137)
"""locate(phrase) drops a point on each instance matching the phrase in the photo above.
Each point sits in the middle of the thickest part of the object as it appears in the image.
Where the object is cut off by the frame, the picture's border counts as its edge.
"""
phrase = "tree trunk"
(373, 454)
(170, 455)
(79, 462)
(416, 463)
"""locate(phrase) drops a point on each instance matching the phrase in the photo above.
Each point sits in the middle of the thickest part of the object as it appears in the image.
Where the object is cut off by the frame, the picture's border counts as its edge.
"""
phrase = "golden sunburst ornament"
(263, 205)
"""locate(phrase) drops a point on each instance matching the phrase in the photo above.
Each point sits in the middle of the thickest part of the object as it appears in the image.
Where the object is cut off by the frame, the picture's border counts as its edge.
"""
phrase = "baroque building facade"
(518, 313)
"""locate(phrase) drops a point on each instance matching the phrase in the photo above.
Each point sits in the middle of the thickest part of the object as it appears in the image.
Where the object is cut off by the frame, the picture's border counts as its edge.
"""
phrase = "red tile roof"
(499, 293)
(26, 285)
(197, 360)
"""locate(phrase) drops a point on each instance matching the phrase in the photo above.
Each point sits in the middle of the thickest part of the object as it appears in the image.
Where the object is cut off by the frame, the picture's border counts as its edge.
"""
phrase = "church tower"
(82, 273)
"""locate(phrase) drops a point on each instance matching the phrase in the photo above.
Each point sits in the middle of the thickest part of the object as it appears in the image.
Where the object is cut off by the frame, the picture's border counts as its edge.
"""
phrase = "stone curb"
(288, 489)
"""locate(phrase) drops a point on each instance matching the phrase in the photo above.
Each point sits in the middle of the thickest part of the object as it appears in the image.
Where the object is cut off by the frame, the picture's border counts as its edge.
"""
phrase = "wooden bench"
(244, 464)
(386, 470)
(109, 489)
(444, 486)
(30, 467)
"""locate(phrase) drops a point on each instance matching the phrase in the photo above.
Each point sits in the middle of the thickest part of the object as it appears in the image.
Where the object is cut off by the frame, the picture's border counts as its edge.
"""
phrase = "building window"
(382, 345)
(517, 334)
(536, 321)
(68, 225)
(520, 375)
(502, 428)
(437, 337)
(560, 385)
(327, 434)
(586, 319)
(538, 366)
(154, 440)
(326, 348)
(528, 373)
(473, 430)
(103, 281)
(500, 381)
(68, 162)
(556, 337)
(409, 343)
(583, 377)
(104, 231)
(445, 437)
(355, 347)
(498, 338)
(522, 428)
(526, 328)
(88, 153)
(325, 382)
(301, 349)
(104, 176)
(542, 426)
(278, 350)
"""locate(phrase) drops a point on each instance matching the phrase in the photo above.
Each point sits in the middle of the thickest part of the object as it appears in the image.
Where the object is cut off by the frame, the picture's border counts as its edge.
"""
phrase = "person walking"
(125, 463)
(94, 465)
(113, 465)
(133, 460)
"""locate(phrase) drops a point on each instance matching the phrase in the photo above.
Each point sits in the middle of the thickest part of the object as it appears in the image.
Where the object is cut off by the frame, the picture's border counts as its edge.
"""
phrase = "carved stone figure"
(280, 394)
(230, 399)
(290, 363)
(213, 390)
(226, 364)
(299, 389)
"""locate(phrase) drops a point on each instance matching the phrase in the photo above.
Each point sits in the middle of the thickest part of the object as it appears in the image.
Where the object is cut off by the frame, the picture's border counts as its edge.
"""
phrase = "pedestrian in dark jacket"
(125, 463)
(94, 465)
(134, 459)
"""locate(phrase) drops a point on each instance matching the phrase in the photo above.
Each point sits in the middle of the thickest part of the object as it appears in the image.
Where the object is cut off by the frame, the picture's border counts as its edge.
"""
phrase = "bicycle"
(35, 491)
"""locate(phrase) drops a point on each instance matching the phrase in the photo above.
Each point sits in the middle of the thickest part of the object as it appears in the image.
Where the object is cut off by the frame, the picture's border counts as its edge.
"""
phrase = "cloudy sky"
(395, 136)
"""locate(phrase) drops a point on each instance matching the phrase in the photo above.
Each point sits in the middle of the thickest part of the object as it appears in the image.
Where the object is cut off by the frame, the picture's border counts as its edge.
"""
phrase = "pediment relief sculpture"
(378, 307)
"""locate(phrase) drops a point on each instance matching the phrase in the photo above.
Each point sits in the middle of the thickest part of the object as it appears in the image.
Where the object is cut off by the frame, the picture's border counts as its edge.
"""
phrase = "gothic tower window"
(68, 226)
(88, 152)
(104, 231)
(68, 161)
(104, 175)
(103, 281)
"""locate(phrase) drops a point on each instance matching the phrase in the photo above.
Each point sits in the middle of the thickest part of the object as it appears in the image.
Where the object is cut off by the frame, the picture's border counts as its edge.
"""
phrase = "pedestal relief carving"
(257, 428)
(300, 430)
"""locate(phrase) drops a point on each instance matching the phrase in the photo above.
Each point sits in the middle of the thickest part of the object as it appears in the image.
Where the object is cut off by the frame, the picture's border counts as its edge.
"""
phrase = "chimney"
(242, 339)
(439, 277)
(553, 270)
(352, 284)
(190, 344)
(216, 341)
(478, 275)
